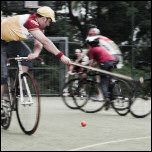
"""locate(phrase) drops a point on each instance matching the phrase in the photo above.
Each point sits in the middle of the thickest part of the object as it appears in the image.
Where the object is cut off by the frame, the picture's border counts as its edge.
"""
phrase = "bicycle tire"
(6, 104)
(28, 115)
(121, 97)
(91, 89)
(141, 105)
(70, 93)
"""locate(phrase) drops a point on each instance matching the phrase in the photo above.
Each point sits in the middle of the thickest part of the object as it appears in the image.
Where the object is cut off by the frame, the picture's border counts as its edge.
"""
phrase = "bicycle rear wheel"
(121, 97)
(6, 105)
(90, 88)
(28, 114)
(71, 92)
(141, 106)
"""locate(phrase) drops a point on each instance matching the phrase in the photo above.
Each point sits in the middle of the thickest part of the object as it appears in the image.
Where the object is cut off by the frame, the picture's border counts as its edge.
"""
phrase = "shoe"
(107, 103)
(66, 92)
(83, 93)
(97, 99)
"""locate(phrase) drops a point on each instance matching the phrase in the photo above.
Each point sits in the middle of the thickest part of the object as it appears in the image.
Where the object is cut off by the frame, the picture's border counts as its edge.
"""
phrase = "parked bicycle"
(22, 96)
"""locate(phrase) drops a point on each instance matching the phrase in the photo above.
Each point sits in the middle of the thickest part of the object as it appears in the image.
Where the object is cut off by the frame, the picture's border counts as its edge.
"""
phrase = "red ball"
(83, 123)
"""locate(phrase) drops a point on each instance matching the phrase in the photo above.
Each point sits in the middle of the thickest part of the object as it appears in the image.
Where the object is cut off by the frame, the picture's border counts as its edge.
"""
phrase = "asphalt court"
(60, 130)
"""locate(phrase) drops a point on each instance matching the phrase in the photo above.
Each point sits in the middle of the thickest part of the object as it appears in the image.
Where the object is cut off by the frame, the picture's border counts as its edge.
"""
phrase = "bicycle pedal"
(107, 107)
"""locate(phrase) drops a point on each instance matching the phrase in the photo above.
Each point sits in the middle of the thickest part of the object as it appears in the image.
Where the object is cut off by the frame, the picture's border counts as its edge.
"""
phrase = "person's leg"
(104, 86)
(25, 68)
(108, 66)
(105, 80)
(100, 95)
(4, 72)
(22, 50)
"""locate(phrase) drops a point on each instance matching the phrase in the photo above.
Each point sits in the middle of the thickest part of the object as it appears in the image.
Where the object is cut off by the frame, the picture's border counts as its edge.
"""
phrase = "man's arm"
(48, 45)
(91, 62)
(37, 47)
(37, 50)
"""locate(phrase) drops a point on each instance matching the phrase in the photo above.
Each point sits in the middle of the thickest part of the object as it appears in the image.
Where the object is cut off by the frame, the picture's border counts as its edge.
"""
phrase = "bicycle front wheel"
(141, 106)
(28, 108)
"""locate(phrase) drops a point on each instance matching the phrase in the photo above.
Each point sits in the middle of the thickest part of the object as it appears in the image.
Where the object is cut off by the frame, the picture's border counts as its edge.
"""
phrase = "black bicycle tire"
(9, 121)
(137, 115)
(64, 97)
(32, 131)
(118, 110)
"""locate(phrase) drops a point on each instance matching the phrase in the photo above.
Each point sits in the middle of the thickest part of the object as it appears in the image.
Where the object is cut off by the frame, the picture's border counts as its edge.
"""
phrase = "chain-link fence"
(50, 76)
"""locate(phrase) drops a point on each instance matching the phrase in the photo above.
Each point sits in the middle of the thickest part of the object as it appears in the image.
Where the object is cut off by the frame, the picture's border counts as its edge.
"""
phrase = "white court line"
(104, 143)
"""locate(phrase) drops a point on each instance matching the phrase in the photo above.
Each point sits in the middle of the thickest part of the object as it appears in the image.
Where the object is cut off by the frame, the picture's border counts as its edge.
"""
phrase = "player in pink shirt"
(99, 54)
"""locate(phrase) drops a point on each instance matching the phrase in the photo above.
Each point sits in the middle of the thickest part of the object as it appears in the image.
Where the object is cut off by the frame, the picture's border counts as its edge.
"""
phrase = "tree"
(113, 18)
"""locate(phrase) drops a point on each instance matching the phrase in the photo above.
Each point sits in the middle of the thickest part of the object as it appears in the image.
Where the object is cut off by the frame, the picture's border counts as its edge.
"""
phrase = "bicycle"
(141, 100)
(87, 88)
(23, 97)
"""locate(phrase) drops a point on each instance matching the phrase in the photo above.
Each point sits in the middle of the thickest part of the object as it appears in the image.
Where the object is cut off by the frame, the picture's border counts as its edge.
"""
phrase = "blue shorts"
(12, 49)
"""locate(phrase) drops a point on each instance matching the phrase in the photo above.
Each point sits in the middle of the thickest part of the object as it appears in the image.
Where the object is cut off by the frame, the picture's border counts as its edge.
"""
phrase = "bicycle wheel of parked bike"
(90, 91)
(28, 113)
(71, 92)
(121, 97)
(141, 106)
(6, 105)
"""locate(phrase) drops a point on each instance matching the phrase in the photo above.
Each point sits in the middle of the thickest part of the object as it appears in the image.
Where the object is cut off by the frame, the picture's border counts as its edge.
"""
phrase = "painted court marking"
(109, 142)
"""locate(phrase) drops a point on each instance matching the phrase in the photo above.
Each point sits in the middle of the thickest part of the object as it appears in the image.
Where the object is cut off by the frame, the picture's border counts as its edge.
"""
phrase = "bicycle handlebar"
(21, 59)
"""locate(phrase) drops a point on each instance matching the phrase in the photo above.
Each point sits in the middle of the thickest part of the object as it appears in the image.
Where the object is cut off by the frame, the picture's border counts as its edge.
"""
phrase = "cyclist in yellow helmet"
(16, 29)
(47, 12)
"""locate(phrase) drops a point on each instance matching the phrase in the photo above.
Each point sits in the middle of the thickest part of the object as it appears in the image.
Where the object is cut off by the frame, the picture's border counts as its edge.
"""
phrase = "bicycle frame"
(19, 74)
(21, 86)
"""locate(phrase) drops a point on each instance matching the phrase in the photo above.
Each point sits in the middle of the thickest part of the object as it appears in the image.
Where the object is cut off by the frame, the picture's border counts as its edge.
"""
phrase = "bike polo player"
(16, 29)
(110, 46)
(104, 60)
